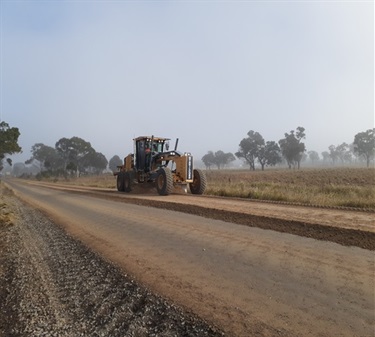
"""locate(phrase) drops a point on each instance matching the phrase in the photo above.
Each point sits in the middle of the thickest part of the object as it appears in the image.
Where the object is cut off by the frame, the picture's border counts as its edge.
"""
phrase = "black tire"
(128, 182)
(120, 182)
(164, 181)
(199, 184)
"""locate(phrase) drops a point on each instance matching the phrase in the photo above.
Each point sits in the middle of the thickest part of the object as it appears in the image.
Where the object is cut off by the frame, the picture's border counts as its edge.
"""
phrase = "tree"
(114, 162)
(74, 151)
(8, 142)
(47, 156)
(221, 159)
(269, 155)
(342, 152)
(314, 156)
(71, 168)
(80, 150)
(333, 153)
(292, 147)
(350, 155)
(364, 145)
(95, 162)
(249, 148)
(65, 150)
(209, 159)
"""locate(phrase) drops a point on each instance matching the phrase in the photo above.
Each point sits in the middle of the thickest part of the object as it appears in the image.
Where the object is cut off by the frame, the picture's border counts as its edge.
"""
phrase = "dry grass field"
(349, 187)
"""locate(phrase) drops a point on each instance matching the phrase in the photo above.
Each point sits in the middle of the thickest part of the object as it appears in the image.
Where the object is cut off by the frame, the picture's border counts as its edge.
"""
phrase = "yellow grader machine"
(153, 162)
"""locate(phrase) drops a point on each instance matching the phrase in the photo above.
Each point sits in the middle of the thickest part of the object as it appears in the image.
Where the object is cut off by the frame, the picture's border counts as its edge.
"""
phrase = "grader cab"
(153, 162)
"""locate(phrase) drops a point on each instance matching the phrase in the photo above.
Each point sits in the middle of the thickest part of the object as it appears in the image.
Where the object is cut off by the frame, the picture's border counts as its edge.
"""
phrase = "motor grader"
(152, 162)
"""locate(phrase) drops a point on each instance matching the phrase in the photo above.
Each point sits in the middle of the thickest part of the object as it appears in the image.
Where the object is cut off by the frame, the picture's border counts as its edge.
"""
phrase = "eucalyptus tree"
(292, 147)
(8, 142)
(249, 148)
(269, 155)
(364, 145)
(114, 162)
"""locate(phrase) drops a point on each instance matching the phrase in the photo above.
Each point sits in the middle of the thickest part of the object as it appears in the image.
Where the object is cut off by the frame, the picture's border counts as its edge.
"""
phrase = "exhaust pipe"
(151, 148)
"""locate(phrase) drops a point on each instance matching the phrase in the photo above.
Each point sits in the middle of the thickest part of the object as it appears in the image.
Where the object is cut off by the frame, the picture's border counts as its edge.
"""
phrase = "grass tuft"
(6, 215)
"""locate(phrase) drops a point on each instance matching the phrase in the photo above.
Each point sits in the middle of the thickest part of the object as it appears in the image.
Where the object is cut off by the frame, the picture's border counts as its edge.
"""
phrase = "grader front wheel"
(198, 186)
(164, 181)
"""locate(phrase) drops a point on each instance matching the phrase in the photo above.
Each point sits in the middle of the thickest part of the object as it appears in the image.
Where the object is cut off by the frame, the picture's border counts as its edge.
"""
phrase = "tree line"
(75, 156)
(255, 150)
(70, 156)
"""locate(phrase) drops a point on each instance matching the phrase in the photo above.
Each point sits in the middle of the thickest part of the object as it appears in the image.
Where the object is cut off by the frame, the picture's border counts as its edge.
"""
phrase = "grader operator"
(153, 162)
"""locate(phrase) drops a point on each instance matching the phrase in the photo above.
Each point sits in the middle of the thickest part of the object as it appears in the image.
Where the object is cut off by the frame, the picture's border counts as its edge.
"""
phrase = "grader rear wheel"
(128, 182)
(164, 181)
(120, 182)
(198, 186)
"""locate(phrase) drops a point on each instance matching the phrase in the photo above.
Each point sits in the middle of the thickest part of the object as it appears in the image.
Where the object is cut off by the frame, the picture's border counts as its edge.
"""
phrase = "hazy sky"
(204, 71)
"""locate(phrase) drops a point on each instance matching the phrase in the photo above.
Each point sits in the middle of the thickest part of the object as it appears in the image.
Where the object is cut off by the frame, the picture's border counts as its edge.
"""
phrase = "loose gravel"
(52, 285)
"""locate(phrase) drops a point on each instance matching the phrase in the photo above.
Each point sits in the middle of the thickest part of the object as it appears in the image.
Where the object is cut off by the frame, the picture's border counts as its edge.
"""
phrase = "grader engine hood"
(184, 168)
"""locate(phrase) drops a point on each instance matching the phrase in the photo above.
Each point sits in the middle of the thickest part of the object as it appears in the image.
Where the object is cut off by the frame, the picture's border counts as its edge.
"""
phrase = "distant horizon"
(16, 157)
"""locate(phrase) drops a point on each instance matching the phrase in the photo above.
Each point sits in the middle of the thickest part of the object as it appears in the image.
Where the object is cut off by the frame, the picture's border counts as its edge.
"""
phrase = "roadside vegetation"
(6, 215)
(347, 187)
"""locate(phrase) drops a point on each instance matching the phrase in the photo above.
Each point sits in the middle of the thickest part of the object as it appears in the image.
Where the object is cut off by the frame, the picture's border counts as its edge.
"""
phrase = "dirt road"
(246, 280)
(52, 285)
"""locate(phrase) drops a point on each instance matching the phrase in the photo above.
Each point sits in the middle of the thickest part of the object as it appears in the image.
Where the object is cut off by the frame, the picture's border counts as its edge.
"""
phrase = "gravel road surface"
(53, 285)
(244, 280)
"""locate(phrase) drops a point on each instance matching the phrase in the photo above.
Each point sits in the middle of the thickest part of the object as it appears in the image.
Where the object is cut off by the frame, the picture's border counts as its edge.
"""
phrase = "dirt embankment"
(336, 234)
(52, 285)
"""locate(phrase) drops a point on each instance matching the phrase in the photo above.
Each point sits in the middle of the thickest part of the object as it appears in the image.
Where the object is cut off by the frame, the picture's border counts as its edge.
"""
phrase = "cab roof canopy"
(148, 138)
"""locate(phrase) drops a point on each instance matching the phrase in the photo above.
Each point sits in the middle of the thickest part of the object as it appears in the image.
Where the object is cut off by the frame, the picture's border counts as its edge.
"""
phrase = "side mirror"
(167, 145)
